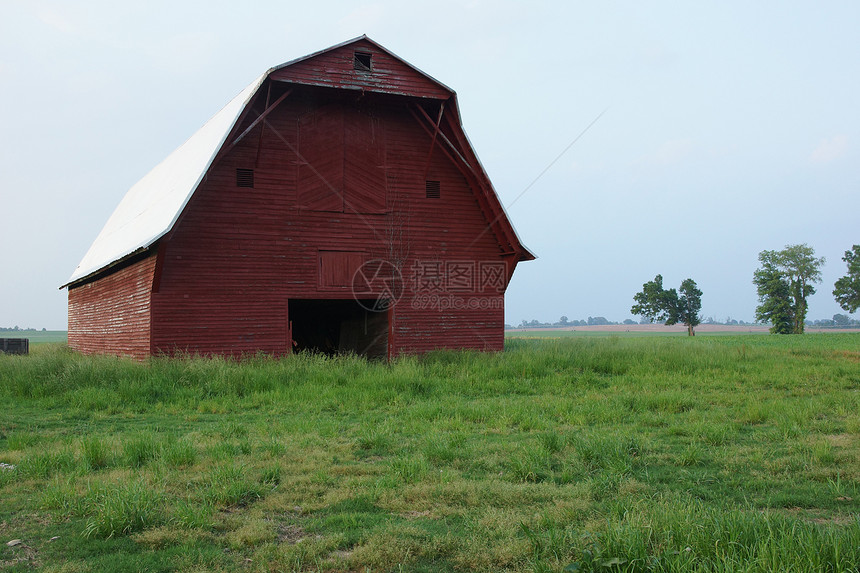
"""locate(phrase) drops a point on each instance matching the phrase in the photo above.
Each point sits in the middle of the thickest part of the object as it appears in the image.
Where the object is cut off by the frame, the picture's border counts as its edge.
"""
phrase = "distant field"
(651, 330)
(37, 336)
(708, 454)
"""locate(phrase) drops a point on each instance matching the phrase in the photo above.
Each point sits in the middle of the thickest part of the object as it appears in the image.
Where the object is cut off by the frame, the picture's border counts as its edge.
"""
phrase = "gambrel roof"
(152, 206)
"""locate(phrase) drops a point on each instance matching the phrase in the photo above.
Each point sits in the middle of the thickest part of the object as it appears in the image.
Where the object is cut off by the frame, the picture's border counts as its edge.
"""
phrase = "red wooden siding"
(338, 267)
(321, 150)
(420, 331)
(332, 179)
(341, 158)
(112, 314)
(231, 324)
(238, 255)
(335, 69)
(364, 163)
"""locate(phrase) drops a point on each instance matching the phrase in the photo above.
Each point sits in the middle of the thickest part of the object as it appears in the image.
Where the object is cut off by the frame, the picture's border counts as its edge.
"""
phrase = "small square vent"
(433, 189)
(245, 178)
(362, 61)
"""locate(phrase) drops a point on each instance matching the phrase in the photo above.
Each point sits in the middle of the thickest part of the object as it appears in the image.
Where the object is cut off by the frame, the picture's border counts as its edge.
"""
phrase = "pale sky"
(729, 128)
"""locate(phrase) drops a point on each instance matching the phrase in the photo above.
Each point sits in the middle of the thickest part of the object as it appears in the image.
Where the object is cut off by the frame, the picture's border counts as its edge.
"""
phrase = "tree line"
(784, 282)
(838, 320)
(786, 279)
(564, 321)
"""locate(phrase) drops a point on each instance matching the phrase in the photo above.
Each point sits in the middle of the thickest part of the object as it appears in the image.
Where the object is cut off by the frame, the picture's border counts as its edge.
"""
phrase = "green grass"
(729, 453)
(38, 336)
(583, 332)
(580, 333)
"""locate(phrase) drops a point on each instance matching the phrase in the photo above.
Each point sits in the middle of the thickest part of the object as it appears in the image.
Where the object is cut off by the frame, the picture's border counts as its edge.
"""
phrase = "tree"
(842, 320)
(847, 289)
(784, 282)
(689, 305)
(651, 303)
(656, 303)
(774, 294)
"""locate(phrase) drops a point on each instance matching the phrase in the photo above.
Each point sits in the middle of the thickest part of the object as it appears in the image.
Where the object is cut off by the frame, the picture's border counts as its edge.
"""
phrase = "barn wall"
(238, 255)
(446, 302)
(111, 315)
(335, 68)
(210, 323)
(439, 327)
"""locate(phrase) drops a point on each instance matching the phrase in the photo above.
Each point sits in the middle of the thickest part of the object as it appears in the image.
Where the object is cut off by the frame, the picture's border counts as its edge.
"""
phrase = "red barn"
(335, 204)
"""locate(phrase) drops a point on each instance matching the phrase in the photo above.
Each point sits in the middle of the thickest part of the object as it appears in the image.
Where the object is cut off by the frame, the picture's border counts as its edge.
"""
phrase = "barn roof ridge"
(151, 207)
(366, 38)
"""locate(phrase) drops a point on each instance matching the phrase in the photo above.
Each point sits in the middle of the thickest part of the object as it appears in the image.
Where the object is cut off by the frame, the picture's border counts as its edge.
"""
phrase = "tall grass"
(96, 383)
(109, 509)
(591, 454)
(685, 535)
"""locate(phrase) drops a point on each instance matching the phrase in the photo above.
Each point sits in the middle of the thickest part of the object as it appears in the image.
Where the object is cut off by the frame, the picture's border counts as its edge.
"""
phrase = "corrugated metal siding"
(334, 68)
(112, 315)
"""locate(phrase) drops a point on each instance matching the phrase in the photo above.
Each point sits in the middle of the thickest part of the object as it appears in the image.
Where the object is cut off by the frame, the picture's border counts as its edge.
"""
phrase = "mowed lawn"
(728, 453)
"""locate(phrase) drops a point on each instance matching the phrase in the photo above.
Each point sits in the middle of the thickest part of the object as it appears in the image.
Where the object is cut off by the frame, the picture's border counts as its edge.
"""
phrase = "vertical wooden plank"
(320, 184)
(364, 163)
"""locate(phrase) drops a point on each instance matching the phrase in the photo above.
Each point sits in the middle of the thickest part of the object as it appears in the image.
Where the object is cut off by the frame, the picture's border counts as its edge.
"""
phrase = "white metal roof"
(151, 207)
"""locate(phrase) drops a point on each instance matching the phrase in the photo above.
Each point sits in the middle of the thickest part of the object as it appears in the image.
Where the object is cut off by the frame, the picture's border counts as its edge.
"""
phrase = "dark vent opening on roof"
(433, 189)
(245, 178)
(361, 61)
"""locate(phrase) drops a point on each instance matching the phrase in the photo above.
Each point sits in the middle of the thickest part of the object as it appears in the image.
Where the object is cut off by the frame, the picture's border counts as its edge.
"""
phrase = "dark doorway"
(338, 327)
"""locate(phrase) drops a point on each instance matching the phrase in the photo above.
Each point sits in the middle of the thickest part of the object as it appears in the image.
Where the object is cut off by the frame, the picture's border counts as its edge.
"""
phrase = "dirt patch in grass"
(840, 440)
(22, 553)
(820, 516)
(291, 534)
(848, 355)
(341, 555)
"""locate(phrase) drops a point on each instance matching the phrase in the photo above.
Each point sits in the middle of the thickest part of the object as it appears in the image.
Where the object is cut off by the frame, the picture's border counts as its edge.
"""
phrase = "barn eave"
(120, 263)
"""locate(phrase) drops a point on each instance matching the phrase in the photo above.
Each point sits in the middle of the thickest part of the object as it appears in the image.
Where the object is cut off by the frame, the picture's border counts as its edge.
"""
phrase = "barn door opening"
(338, 326)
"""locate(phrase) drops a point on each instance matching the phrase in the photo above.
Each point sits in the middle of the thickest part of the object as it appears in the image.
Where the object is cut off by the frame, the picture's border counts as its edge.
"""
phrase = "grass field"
(583, 332)
(37, 336)
(723, 453)
(627, 330)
